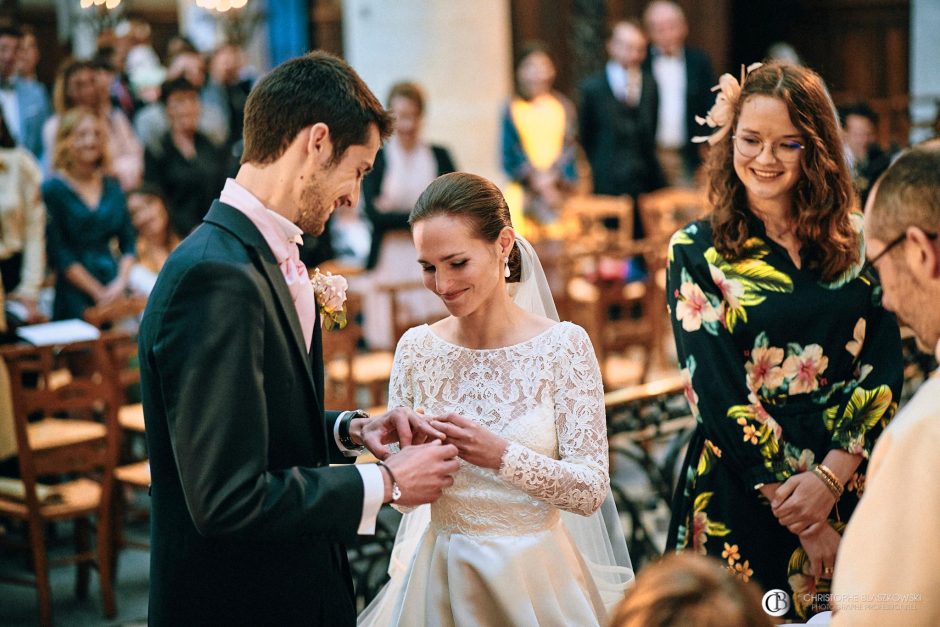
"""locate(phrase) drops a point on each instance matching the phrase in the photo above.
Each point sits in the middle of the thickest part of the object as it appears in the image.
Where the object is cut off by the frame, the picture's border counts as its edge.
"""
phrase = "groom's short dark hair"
(316, 87)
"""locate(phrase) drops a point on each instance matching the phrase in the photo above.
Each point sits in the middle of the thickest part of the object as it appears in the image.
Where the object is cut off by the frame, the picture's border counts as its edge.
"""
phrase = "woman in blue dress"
(793, 366)
(86, 213)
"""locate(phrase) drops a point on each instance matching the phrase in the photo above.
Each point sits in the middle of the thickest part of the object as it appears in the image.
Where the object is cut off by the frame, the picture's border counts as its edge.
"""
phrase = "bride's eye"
(427, 269)
(458, 264)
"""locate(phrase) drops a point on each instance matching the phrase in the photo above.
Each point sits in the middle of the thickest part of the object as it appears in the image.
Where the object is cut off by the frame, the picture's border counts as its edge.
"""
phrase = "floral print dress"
(780, 369)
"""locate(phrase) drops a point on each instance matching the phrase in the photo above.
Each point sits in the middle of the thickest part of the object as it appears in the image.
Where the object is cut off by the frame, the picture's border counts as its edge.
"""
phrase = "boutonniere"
(330, 292)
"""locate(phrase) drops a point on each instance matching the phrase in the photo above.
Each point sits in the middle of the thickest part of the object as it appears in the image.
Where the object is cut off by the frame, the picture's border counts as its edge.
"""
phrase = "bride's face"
(462, 269)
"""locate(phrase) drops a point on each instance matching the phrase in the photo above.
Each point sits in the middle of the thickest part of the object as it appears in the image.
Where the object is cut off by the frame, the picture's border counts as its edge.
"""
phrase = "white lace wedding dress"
(496, 551)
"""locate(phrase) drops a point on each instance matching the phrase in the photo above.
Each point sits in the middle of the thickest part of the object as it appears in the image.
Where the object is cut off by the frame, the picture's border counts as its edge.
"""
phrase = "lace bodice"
(544, 395)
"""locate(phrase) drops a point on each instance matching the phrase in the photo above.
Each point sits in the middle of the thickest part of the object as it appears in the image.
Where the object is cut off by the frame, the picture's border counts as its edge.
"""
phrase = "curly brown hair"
(823, 197)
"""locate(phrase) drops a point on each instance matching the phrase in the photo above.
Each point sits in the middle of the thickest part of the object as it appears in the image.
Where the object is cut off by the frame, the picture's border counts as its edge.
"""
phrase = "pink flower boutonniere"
(330, 292)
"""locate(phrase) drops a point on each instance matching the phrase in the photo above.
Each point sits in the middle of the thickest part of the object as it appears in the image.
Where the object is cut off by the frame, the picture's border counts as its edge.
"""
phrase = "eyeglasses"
(787, 150)
(870, 264)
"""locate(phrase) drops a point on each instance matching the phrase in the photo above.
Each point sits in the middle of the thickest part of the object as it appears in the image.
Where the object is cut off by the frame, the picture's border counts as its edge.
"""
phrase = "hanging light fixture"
(108, 4)
(219, 5)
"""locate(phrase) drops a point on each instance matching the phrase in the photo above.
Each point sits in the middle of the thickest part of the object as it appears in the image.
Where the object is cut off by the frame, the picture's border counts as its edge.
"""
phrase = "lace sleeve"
(400, 393)
(578, 481)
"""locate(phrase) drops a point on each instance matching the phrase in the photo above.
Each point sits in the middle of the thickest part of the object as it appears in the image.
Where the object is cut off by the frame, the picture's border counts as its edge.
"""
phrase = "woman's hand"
(111, 292)
(821, 543)
(475, 444)
(801, 501)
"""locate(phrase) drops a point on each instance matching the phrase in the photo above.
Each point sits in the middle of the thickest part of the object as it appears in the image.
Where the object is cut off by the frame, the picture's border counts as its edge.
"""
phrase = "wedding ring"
(827, 570)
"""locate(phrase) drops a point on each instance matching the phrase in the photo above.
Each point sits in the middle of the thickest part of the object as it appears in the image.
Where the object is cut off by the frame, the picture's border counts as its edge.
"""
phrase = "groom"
(248, 517)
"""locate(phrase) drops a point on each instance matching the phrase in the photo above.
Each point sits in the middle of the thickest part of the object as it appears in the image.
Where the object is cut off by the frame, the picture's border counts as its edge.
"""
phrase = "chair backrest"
(665, 211)
(403, 314)
(111, 314)
(120, 316)
(594, 223)
(342, 345)
(90, 392)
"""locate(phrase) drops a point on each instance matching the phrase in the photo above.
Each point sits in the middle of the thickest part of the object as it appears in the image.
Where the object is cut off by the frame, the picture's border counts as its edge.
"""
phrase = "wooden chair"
(596, 222)
(348, 369)
(78, 448)
(403, 316)
(121, 346)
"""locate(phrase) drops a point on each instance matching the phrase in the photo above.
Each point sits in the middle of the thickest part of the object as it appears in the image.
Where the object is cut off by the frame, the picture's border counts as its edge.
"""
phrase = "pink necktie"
(301, 291)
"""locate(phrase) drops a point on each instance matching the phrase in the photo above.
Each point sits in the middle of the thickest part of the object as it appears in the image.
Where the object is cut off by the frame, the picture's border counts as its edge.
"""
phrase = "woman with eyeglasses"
(793, 367)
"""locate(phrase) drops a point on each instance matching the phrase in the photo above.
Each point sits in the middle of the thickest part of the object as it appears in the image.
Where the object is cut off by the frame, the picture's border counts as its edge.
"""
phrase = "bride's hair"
(474, 199)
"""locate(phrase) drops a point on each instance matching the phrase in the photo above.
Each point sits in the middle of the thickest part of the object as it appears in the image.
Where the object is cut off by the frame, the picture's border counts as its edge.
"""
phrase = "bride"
(521, 538)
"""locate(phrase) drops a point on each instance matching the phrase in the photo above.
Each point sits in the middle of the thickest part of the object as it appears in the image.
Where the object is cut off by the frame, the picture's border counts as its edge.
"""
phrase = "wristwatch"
(345, 419)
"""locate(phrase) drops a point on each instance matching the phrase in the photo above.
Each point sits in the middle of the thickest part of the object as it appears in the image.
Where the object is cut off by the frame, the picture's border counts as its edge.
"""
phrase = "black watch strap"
(345, 419)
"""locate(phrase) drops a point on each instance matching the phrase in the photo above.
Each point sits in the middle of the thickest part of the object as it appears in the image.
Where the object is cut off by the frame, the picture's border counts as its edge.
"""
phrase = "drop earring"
(506, 271)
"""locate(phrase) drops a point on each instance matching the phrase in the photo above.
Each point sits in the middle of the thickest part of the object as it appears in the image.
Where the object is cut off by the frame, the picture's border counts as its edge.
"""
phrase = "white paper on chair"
(60, 332)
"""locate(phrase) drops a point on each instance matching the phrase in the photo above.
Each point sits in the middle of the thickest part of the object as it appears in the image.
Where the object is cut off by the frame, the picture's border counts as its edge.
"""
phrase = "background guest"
(690, 590)
(619, 109)
(189, 167)
(226, 90)
(538, 145)
(86, 210)
(867, 160)
(793, 366)
(86, 84)
(155, 239)
(684, 75)
(402, 169)
(22, 227)
(24, 102)
(27, 55)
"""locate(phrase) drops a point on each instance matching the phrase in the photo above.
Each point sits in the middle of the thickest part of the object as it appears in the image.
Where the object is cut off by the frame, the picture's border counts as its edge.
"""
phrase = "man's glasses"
(870, 264)
(787, 150)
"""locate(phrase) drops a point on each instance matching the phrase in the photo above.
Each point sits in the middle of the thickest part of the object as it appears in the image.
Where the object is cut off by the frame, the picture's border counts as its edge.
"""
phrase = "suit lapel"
(232, 220)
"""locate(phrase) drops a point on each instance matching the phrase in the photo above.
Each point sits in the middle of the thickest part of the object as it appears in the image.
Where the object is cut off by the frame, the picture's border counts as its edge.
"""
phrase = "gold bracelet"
(829, 479)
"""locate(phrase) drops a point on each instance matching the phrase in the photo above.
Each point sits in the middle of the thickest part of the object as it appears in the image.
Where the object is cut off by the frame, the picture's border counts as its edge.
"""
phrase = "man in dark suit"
(685, 78)
(617, 116)
(24, 101)
(248, 517)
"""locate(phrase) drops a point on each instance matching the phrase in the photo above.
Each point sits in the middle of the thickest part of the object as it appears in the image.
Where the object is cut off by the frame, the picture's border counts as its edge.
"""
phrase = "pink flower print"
(699, 535)
(694, 308)
(690, 394)
(763, 370)
(803, 369)
(731, 290)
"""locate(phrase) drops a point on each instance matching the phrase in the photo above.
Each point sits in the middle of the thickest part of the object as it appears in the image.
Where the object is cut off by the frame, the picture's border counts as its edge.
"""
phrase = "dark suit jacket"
(620, 140)
(247, 519)
(383, 222)
(698, 98)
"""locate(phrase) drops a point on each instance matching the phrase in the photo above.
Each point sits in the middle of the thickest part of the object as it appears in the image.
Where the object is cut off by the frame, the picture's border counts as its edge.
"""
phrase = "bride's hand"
(475, 444)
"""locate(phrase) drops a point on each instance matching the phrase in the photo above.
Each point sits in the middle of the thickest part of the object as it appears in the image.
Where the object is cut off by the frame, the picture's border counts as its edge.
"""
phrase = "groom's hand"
(400, 425)
(422, 472)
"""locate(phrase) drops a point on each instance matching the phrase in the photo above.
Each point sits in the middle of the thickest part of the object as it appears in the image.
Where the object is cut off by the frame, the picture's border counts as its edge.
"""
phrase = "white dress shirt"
(670, 75)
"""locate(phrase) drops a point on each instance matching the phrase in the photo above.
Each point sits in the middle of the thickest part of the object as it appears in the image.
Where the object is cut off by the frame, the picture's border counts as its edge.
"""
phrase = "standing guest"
(27, 55)
(84, 84)
(155, 239)
(538, 145)
(249, 518)
(24, 102)
(684, 75)
(151, 122)
(867, 160)
(225, 88)
(22, 226)
(793, 366)
(618, 113)
(403, 168)
(890, 544)
(189, 167)
(87, 211)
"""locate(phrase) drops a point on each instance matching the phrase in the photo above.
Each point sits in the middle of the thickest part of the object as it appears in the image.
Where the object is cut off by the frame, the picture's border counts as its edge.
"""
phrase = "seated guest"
(83, 84)
(890, 547)
(687, 589)
(86, 211)
(184, 163)
(155, 239)
(22, 227)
